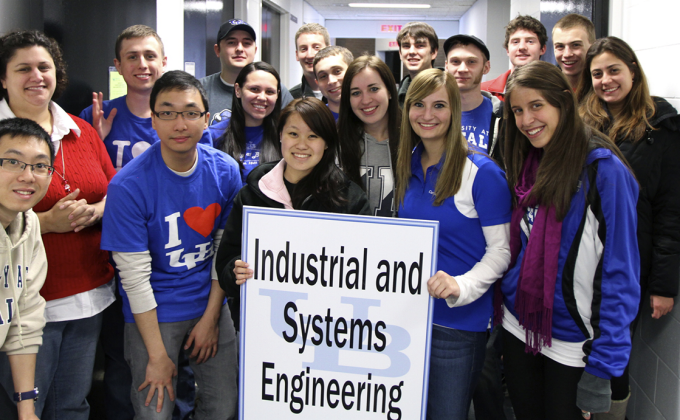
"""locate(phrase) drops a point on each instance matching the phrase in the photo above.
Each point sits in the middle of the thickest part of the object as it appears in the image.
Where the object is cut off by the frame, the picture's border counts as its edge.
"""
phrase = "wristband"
(30, 395)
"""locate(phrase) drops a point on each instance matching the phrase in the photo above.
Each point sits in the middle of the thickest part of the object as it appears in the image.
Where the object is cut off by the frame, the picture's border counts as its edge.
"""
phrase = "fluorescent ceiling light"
(390, 5)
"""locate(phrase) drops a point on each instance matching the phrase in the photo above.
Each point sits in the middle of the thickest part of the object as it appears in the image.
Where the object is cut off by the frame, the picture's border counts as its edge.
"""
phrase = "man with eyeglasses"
(124, 125)
(236, 48)
(26, 158)
(164, 219)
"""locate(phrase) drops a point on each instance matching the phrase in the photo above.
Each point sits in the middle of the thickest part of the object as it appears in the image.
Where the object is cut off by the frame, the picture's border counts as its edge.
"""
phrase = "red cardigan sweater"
(75, 261)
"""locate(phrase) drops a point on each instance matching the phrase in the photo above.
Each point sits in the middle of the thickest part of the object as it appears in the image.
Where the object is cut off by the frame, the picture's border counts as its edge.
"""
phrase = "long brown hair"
(638, 106)
(351, 128)
(564, 156)
(233, 141)
(455, 145)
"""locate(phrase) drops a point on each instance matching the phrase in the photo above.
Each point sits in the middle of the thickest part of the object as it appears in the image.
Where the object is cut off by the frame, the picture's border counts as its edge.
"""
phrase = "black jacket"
(303, 90)
(250, 195)
(655, 160)
(496, 130)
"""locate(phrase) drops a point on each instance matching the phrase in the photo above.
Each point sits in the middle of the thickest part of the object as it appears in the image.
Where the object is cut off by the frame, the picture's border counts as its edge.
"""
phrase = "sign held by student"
(336, 320)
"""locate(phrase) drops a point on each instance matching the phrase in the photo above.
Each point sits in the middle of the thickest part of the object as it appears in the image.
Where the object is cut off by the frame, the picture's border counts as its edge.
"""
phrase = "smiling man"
(26, 157)
(330, 65)
(418, 46)
(236, 48)
(525, 42)
(467, 60)
(166, 213)
(125, 123)
(309, 40)
(125, 126)
(572, 36)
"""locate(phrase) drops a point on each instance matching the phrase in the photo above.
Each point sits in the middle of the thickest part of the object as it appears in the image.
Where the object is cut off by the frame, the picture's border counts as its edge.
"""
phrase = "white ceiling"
(440, 10)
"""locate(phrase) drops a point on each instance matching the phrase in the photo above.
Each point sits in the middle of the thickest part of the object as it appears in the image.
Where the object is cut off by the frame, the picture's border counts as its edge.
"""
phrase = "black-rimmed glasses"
(38, 169)
(172, 115)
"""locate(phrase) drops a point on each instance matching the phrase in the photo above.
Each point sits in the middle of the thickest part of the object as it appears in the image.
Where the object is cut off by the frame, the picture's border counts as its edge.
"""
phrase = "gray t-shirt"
(376, 169)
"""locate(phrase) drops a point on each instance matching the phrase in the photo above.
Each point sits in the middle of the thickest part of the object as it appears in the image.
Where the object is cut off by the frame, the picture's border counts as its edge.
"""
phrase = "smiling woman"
(615, 98)
(79, 283)
(251, 134)
(440, 178)
(307, 178)
(571, 291)
(369, 126)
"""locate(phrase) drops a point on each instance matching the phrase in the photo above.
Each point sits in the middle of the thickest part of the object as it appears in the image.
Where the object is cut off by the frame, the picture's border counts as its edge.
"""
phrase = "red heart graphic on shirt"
(202, 221)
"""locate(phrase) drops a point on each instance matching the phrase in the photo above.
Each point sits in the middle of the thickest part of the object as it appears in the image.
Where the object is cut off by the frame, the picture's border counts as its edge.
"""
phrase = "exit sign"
(390, 28)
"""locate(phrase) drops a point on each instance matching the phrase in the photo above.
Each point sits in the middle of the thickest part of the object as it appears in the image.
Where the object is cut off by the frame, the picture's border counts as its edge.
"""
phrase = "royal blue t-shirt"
(335, 114)
(476, 123)
(483, 200)
(151, 208)
(130, 135)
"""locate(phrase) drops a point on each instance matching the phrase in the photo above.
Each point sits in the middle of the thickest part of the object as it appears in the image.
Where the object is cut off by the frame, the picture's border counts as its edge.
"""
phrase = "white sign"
(336, 321)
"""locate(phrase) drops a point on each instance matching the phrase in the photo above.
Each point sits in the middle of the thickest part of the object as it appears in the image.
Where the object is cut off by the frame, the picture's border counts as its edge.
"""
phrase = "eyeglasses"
(172, 115)
(38, 169)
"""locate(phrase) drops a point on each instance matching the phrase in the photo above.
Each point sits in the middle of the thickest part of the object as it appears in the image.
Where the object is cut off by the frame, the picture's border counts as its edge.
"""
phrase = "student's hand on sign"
(242, 271)
(441, 286)
(159, 374)
(101, 125)
(204, 337)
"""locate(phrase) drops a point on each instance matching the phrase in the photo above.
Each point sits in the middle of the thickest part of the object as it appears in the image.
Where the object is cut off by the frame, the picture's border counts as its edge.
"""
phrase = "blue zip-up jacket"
(597, 291)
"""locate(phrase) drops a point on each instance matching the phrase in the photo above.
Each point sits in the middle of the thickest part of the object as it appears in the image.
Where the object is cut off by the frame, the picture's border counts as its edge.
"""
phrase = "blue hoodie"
(597, 291)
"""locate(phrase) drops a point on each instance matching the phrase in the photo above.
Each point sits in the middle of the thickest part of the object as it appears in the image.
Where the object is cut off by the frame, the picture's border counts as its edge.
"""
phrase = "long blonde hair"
(455, 145)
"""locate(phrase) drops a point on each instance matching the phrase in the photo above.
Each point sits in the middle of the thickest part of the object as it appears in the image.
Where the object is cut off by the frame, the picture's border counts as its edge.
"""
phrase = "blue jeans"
(456, 360)
(488, 397)
(63, 371)
(216, 378)
(117, 376)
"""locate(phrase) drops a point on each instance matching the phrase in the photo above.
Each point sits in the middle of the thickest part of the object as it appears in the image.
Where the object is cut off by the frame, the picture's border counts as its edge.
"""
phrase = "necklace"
(67, 187)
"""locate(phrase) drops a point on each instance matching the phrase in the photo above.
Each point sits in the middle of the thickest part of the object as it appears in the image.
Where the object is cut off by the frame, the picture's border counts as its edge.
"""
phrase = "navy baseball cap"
(233, 25)
(467, 40)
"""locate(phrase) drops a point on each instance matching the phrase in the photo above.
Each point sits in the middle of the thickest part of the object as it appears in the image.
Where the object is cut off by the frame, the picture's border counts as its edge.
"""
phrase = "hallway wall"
(650, 28)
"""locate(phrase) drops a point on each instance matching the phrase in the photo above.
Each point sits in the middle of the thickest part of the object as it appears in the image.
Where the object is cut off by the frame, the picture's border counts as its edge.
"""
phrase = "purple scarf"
(538, 273)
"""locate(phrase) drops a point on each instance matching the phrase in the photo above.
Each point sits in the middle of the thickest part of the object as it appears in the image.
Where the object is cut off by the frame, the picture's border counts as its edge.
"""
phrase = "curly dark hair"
(528, 23)
(16, 40)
